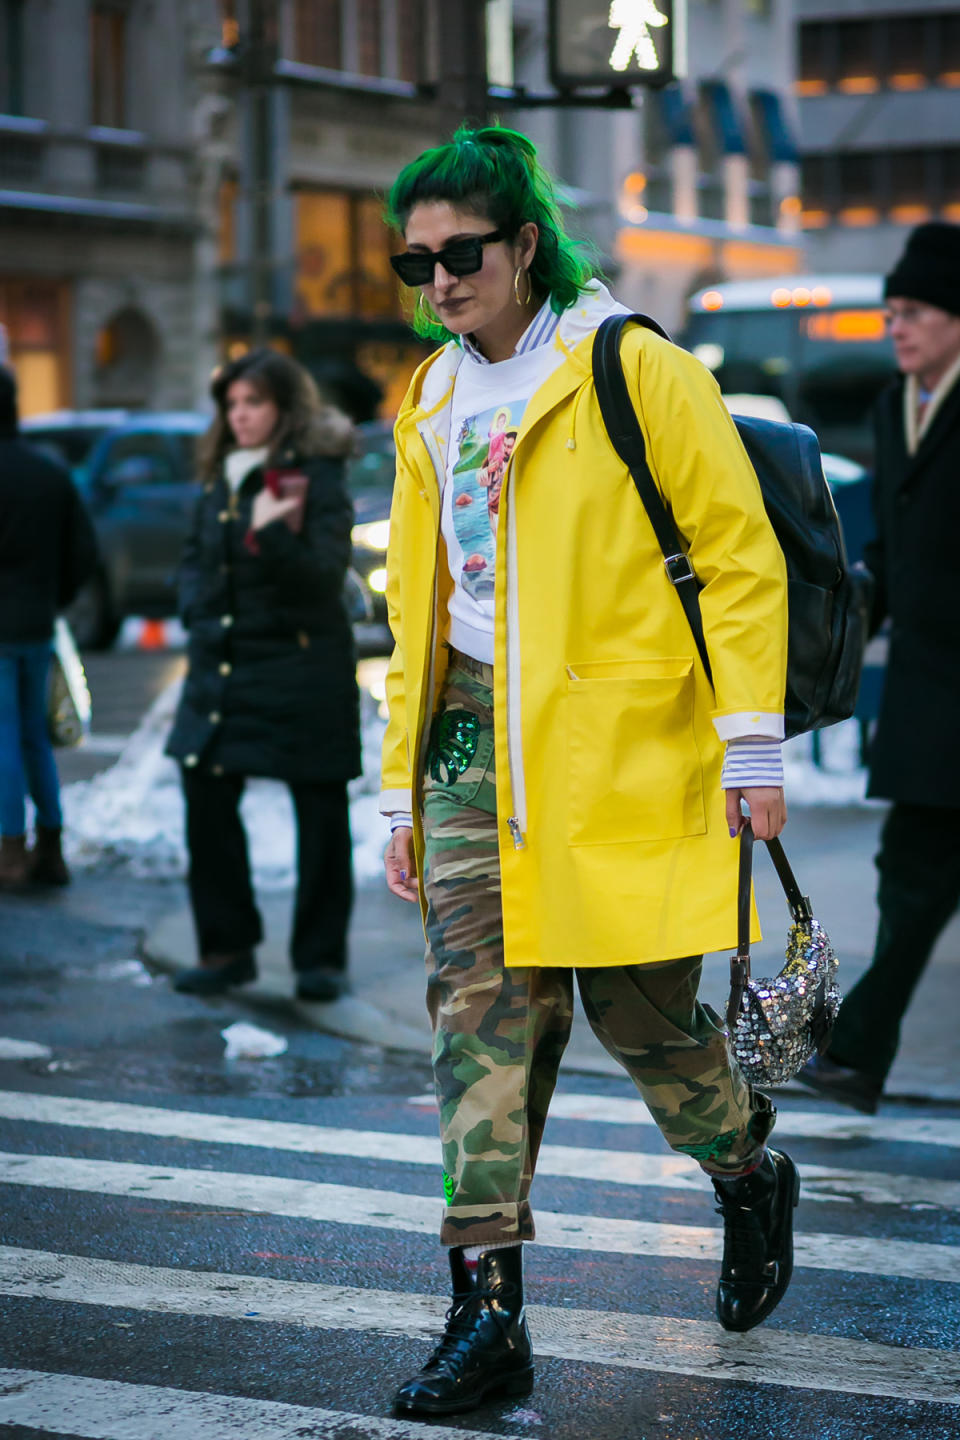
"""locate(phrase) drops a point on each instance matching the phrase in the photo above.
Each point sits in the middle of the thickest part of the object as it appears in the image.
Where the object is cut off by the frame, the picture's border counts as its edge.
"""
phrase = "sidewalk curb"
(350, 1018)
(386, 946)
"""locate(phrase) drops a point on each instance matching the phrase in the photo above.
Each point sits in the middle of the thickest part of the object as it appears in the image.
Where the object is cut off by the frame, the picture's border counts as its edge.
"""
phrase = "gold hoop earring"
(422, 311)
(516, 286)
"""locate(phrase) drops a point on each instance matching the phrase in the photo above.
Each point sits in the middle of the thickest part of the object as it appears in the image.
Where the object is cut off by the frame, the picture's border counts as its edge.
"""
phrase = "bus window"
(826, 360)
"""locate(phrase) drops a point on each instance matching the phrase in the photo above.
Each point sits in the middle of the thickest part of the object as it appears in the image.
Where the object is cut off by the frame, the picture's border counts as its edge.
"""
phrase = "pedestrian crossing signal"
(613, 43)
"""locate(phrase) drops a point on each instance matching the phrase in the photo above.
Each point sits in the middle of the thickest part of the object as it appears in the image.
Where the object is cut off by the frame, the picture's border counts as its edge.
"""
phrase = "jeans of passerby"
(27, 765)
(221, 891)
(918, 892)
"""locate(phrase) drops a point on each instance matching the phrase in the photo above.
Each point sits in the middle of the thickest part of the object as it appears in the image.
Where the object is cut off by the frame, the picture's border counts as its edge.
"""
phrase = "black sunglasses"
(459, 257)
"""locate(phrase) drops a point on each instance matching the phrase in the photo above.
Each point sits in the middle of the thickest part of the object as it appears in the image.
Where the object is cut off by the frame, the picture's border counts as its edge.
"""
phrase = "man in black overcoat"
(914, 755)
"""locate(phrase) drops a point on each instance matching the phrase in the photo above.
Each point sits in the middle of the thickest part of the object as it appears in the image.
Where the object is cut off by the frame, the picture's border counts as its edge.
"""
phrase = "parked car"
(137, 475)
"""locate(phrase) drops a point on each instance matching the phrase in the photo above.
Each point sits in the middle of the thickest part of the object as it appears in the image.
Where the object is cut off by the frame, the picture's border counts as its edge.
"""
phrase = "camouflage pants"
(499, 1033)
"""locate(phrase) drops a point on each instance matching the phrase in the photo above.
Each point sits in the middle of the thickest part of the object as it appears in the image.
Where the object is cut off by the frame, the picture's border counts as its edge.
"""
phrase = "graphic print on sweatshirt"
(484, 444)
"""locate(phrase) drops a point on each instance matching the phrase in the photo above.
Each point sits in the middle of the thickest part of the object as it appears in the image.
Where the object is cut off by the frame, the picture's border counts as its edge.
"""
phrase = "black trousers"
(221, 892)
(919, 891)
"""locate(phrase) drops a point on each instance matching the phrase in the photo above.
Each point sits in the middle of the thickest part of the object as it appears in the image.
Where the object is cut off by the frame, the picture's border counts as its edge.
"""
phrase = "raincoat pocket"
(633, 763)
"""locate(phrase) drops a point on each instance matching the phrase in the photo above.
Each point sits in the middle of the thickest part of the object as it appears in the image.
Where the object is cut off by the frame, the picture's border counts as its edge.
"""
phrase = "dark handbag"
(775, 1025)
(828, 601)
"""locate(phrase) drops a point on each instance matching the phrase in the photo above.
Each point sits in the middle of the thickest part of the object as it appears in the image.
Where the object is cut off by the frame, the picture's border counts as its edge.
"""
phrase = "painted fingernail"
(403, 874)
(732, 832)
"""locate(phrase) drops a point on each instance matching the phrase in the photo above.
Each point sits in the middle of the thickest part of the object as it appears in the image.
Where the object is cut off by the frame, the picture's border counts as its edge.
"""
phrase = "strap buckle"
(678, 568)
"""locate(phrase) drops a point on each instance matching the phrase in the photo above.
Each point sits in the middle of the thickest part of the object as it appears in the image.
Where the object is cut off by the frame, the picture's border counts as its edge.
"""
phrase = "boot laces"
(460, 1321)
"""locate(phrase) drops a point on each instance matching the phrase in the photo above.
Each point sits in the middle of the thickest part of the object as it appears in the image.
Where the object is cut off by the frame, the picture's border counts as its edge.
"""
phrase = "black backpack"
(828, 602)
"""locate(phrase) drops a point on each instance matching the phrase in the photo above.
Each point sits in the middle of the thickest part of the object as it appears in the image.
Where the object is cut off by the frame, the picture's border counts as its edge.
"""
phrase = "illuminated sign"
(846, 325)
(612, 42)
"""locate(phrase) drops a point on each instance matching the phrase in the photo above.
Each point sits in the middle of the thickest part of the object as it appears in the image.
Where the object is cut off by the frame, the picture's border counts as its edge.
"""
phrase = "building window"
(229, 24)
(858, 56)
(108, 60)
(227, 220)
(35, 314)
(343, 257)
(908, 185)
(411, 28)
(317, 33)
(369, 37)
(11, 57)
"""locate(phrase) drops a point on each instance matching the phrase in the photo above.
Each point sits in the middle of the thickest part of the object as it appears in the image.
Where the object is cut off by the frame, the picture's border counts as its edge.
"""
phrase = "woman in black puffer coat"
(271, 687)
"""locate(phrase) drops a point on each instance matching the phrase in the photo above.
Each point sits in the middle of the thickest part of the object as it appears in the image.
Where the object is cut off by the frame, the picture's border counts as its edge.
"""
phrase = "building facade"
(878, 86)
(695, 183)
(97, 215)
(136, 249)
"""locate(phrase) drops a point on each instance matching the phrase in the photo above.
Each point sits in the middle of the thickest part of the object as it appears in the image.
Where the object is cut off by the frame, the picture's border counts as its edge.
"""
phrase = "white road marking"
(806, 1124)
(11, 1049)
(638, 1342)
(112, 1410)
(671, 1172)
(420, 1214)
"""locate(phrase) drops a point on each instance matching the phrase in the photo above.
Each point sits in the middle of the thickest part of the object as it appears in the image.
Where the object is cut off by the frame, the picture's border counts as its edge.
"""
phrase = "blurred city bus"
(816, 343)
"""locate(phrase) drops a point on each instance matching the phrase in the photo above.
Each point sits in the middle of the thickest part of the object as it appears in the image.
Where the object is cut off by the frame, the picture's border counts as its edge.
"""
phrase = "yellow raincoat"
(614, 846)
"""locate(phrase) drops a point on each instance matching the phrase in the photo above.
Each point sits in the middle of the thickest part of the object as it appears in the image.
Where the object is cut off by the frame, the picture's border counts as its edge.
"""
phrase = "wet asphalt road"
(69, 981)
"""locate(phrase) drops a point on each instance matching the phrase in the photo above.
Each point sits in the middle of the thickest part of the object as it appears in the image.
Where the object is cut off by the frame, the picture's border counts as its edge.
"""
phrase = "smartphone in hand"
(290, 485)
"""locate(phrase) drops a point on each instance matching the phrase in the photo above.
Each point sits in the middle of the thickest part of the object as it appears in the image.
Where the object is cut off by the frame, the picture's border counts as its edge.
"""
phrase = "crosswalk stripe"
(611, 1338)
(116, 1410)
(420, 1214)
(806, 1124)
(615, 1167)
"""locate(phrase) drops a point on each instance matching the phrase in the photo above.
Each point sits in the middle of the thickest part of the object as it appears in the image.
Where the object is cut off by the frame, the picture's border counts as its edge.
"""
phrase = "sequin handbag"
(776, 1024)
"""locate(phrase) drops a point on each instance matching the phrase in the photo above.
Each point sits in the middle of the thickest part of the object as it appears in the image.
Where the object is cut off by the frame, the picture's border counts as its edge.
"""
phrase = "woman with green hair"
(562, 780)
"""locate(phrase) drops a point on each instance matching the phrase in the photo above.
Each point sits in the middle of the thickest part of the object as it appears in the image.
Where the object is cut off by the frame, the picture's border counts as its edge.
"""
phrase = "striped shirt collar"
(540, 331)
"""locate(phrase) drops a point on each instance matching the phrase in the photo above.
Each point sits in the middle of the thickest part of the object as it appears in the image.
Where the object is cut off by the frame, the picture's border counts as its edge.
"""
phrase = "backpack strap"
(626, 438)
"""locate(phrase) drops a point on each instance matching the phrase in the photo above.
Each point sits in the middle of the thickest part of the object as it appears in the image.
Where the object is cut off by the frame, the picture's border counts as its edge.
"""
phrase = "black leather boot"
(757, 1212)
(485, 1349)
(217, 973)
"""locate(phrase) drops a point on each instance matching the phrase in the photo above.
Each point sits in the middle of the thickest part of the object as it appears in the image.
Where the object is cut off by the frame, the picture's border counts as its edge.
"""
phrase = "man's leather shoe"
(485, 1350)
(757, 1212)
(321, 986)
(217, 973)
(838, 1082)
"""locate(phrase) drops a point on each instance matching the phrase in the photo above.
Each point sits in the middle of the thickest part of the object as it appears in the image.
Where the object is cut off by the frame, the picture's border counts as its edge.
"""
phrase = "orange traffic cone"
(153, 635)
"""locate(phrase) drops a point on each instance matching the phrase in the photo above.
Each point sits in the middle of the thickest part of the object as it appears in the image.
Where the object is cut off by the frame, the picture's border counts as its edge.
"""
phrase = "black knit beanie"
(929, 268)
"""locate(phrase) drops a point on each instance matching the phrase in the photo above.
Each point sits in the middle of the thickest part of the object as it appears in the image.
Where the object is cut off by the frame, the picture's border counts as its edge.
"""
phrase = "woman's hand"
(267, 508)
(401, 865)
(768, 811)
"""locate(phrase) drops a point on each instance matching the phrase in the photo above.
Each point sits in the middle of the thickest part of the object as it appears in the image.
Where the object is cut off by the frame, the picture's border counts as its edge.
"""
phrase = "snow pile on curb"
(132, 814)
(839, 779)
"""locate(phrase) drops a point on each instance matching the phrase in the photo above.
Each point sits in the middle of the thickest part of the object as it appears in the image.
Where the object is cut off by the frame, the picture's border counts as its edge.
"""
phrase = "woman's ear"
(527, 237)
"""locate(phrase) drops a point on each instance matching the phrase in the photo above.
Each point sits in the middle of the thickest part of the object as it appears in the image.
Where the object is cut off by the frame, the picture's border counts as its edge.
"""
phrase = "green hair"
(495, 172)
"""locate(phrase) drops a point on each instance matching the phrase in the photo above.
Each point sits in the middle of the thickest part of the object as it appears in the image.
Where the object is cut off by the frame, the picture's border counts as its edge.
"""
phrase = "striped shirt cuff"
(399, 821)
(751, 761)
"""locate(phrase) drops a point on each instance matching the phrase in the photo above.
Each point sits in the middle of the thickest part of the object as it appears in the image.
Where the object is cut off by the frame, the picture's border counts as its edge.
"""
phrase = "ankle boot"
(485, 1349)
(47, 865)
(757, 1212)
(13, 862)
(217, 973)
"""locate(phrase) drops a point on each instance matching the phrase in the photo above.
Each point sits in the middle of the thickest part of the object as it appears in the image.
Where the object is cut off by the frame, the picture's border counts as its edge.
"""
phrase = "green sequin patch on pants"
(499, 1034)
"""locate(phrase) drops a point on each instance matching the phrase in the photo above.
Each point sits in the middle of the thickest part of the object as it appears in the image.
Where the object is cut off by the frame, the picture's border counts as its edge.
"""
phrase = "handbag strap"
(626, 437)
(799, 904)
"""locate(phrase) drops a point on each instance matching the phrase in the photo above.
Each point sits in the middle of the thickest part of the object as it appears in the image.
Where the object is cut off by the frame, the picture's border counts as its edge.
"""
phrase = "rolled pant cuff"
(486, 1224)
